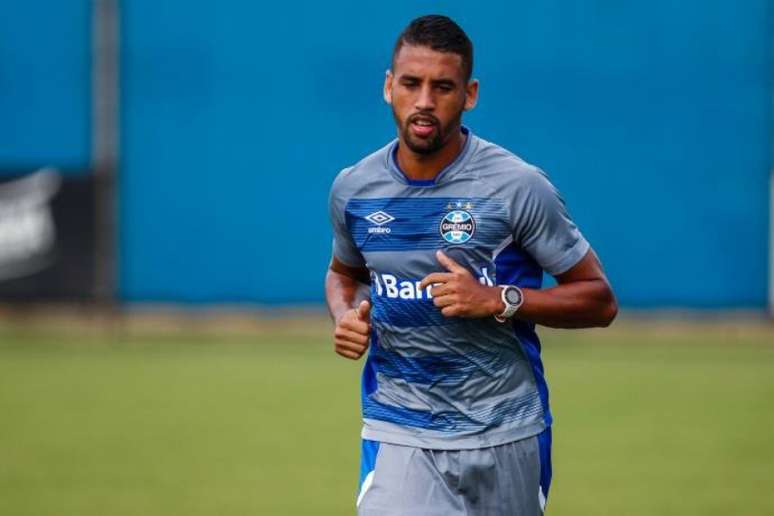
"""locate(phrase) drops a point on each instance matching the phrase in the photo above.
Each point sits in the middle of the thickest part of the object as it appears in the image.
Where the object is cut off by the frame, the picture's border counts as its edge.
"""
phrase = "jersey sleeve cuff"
(350, 261)
(568, 259)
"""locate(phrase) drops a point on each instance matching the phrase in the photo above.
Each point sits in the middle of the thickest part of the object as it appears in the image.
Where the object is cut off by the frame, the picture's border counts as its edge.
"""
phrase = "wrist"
(495, 304)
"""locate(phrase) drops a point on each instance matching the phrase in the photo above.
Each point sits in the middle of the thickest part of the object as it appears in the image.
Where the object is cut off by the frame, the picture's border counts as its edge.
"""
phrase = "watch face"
(513, 296)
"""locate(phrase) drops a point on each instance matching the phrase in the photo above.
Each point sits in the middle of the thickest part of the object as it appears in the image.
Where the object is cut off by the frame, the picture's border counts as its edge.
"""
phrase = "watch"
(512, 298)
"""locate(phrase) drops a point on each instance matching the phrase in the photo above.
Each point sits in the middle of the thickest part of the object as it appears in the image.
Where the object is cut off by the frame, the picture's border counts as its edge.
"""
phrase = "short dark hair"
(440, 33)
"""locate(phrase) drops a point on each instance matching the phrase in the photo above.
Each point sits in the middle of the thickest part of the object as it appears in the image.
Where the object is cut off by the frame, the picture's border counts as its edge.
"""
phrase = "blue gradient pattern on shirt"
(437, 369)
(492, 416)
(515, 267)
(405, 312)
(416, 224)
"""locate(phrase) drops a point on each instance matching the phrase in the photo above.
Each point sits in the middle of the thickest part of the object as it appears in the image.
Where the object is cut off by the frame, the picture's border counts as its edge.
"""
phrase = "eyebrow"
(437, 82)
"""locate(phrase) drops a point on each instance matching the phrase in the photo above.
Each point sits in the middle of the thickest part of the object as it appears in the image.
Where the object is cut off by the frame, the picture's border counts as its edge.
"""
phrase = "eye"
(444, 87)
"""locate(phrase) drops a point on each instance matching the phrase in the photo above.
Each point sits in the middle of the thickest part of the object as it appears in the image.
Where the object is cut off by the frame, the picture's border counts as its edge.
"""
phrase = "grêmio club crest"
(458, 226)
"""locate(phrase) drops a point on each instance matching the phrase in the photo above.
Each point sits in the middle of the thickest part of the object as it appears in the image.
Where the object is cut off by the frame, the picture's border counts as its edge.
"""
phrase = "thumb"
(448, 263)
(363, 310)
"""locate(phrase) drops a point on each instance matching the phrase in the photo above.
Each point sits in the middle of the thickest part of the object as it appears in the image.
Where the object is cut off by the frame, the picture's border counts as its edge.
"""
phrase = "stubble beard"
(432, 145)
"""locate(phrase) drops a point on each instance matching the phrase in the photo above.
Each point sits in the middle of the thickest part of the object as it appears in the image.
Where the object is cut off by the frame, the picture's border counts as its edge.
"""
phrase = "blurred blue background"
(654, 119)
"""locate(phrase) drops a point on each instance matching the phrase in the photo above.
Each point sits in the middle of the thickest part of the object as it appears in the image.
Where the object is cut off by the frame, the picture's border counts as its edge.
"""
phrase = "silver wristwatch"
(512, 298)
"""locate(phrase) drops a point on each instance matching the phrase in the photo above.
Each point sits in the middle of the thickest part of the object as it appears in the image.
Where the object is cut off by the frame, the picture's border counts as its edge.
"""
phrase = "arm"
(348, 308)
(583, 298)
(543, 228)
(345, 285)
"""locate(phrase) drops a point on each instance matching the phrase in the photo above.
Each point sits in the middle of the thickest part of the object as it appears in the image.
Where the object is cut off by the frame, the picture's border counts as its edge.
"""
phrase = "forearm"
(342, 293)
(582, 299)
(580, 304)
(347, 295)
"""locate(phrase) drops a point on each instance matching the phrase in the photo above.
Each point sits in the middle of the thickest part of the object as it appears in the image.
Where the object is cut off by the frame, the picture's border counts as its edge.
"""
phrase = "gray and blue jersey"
(451, 383)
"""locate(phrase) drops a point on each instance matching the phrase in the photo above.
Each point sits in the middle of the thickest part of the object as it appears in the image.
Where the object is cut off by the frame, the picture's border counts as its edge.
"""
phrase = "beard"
(427, 146)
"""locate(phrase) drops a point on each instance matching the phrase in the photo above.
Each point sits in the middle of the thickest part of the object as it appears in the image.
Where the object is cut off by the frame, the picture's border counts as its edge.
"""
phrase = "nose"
(425, 100)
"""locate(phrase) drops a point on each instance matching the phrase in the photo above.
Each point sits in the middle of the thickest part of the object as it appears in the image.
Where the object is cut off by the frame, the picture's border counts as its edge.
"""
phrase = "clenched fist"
(353, 330)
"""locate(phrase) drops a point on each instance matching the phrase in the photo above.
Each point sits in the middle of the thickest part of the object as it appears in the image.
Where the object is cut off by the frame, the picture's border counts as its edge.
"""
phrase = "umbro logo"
(379, 218)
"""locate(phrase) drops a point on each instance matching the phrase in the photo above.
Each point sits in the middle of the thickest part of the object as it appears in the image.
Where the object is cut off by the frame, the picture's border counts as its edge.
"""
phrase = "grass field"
(651, 419)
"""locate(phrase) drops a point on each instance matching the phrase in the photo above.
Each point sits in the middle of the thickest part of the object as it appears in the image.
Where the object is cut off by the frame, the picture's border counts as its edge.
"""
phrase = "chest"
(402, 233)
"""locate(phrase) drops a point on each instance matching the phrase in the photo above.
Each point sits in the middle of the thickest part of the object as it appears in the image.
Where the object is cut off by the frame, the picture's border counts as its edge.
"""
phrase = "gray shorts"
(496, 481)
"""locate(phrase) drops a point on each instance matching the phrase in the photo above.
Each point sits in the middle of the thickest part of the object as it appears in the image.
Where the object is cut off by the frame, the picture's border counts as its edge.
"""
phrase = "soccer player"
(453, 234)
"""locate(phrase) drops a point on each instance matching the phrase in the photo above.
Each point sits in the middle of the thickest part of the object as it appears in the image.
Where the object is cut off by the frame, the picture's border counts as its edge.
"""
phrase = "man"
(453, 234)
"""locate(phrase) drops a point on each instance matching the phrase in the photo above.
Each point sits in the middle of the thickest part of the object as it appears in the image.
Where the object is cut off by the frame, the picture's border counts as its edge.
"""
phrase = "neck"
(424, 167)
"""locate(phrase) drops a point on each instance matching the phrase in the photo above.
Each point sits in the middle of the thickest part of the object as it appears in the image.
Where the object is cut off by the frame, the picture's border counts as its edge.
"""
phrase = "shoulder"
(356, 177)
(506, 172)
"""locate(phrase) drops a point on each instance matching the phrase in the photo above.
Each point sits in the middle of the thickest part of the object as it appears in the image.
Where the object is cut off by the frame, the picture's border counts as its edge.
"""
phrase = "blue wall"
(655, 121)
(45, 85)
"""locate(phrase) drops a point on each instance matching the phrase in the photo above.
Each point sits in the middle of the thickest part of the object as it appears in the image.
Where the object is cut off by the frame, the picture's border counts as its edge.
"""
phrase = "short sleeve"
(544, 228)
(344, 249)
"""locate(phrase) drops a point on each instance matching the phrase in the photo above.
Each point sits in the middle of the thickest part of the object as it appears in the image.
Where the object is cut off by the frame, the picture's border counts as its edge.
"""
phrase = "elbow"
(609, 313)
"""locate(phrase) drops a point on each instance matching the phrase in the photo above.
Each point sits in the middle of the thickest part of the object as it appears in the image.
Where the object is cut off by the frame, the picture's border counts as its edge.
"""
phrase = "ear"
(471, 94)
(388, 86)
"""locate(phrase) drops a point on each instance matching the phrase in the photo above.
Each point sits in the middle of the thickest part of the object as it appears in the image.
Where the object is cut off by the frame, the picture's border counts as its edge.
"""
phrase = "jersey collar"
(458, 164)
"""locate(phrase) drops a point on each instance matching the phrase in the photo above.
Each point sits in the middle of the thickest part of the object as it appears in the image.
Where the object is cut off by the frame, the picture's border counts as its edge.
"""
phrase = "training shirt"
(428, 380)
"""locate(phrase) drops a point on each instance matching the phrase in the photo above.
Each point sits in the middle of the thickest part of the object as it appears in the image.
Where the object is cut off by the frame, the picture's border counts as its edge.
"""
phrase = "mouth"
(423, 126)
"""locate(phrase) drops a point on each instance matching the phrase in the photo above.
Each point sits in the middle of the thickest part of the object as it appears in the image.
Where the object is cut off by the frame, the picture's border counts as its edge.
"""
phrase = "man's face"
(428, 93)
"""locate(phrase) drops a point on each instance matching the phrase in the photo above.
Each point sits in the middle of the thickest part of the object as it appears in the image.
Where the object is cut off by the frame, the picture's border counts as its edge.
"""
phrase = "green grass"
(659, 421)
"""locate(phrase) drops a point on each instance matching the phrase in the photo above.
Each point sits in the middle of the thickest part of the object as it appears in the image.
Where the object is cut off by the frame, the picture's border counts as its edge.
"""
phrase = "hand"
(353, 330)
(458, 294)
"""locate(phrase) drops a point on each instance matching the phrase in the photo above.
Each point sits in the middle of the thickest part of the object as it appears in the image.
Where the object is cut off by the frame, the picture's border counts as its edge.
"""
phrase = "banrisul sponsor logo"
(458, 226)
(392, 287)
(379, 219)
